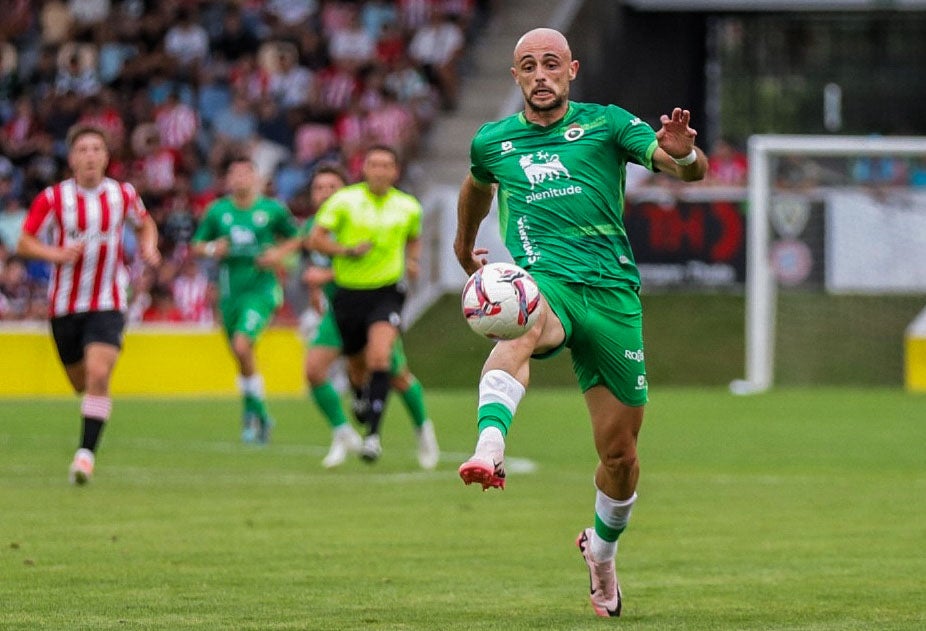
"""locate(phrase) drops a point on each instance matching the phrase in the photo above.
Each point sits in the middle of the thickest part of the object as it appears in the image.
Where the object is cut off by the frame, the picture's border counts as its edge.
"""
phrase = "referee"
(370, 230)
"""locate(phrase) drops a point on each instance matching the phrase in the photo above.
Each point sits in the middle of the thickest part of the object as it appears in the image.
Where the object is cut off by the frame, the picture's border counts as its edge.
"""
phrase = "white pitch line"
(512, 464)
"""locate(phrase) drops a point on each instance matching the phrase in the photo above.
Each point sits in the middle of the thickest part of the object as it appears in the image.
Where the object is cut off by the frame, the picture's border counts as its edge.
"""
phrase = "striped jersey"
(65, 213)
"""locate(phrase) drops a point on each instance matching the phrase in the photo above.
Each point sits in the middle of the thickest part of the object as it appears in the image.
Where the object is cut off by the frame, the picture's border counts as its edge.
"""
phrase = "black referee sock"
(93, 428)
(377, 392)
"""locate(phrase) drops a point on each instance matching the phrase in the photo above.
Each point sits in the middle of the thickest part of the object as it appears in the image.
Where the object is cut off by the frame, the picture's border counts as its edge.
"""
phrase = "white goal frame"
(761, 290)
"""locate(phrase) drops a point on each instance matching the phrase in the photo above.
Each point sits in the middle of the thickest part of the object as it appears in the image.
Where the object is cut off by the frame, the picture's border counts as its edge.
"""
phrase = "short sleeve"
(477, 164)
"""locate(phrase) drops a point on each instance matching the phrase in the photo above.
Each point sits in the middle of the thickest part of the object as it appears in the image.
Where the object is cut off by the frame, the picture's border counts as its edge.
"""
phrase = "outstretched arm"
(677, 153)
(473, 206)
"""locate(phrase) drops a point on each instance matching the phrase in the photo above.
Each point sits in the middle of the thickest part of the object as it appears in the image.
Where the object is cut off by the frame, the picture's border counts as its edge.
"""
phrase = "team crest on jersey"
(574, 133)
(227, 219)
(260, 218)
(507, 146)
(549, 167)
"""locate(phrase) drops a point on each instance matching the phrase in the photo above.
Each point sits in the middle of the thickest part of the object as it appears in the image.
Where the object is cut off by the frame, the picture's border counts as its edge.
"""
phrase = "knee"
(241, 347)
(316, 370)
(620, 458)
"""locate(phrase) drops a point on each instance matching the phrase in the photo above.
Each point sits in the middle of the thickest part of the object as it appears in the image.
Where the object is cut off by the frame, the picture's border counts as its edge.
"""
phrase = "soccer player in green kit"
(249, 235)
(558, 168)
(370, 230)
(326, 346)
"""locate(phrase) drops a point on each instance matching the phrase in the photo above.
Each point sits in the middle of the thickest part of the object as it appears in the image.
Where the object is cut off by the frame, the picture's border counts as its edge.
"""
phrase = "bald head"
(543, 67)
(542, 40)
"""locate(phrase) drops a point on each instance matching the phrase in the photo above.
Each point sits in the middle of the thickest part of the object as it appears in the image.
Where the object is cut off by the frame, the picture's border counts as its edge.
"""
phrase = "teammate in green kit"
(370, 230)
(326, 347)
(558, 169)
(250, 235)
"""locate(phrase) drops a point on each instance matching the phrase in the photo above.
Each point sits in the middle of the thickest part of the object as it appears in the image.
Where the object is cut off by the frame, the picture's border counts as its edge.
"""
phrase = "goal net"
(836, 259)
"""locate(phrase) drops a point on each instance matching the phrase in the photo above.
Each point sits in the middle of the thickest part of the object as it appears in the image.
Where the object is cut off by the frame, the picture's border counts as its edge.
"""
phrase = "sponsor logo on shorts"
(636, 356)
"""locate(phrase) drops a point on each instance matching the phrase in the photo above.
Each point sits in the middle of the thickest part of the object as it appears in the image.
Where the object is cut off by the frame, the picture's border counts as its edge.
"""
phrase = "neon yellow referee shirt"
(354, 215)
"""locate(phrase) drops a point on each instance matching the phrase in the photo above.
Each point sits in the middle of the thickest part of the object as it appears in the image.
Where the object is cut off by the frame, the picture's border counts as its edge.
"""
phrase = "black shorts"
(74, 332)
(355, 310)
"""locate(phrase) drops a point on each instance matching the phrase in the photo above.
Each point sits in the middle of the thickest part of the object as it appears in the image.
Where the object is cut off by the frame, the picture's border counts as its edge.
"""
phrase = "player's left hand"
(675, 136)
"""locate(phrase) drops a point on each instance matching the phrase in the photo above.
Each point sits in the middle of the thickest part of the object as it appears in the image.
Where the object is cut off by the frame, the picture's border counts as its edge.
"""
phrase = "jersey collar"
(569, 112)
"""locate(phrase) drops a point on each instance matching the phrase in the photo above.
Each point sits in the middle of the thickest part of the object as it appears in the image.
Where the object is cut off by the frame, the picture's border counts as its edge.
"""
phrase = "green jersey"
(316, 258)
(354, 215)
(561, 190)
(249, 231)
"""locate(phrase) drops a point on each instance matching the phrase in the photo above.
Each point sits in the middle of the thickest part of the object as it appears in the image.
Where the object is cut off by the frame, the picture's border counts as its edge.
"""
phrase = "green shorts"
(329, 336)
(249, 314)
(604, 331)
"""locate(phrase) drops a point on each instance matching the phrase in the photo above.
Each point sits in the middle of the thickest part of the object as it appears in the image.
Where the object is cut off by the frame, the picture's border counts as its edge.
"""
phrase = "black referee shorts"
(73, 332)
(355, 310)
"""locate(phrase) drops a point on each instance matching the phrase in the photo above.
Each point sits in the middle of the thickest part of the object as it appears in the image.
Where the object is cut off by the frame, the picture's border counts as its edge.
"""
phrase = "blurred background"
(180, 84)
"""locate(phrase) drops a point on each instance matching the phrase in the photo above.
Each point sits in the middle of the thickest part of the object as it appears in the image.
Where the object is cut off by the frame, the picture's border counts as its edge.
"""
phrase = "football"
(501, 301)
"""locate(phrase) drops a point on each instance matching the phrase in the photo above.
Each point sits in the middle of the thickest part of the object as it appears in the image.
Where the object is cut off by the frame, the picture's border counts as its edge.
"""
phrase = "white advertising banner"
(876, 241)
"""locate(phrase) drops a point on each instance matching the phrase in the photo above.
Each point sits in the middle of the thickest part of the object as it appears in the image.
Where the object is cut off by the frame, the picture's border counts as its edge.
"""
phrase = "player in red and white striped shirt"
(77, 225)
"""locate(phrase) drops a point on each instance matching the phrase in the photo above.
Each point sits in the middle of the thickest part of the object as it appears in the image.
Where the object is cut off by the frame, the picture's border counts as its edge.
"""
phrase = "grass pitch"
(798, 509)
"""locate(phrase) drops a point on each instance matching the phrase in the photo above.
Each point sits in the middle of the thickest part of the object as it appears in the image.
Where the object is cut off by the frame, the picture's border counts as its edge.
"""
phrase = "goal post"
(761, 289)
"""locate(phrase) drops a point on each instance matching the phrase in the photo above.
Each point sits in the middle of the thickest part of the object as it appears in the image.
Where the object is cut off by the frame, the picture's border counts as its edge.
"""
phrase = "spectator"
(235, 39)
(193, 294)
(10, 84)
(351, 45)
(23, 135)
(290, 83)
(176, 122)
(438, 47)
(728, 165)
(233, 126)
(100, 110)
(56, 22)
(77, 70)
(289, 16)
(249, 77)
(187, 42)
(337, 87)
(15, 293)
(114, 52)
(12, 215)
(88, 13)
(390, 45)
(162, 308)
(378, 15)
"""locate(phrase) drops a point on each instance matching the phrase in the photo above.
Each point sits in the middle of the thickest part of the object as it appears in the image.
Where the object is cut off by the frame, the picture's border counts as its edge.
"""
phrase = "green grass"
(797, 509)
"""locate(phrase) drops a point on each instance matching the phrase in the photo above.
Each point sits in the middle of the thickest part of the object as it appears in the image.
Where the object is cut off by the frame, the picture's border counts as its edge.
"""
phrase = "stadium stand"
(178, 85)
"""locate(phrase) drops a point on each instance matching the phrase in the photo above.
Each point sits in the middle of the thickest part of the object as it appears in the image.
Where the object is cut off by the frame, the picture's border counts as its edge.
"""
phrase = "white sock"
(497, 386)
(491, 444)
(253, 385)
(615, 514)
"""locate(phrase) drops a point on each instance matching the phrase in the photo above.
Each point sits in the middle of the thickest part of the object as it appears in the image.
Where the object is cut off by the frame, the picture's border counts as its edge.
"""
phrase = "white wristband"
(209, 250)
(689, 159)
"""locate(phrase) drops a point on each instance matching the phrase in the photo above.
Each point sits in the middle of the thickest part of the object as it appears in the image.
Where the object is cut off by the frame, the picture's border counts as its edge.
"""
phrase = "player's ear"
(573, 69)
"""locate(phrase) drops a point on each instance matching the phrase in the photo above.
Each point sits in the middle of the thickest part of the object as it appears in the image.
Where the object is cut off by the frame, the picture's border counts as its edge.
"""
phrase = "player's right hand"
(476, 260)
(68, 254)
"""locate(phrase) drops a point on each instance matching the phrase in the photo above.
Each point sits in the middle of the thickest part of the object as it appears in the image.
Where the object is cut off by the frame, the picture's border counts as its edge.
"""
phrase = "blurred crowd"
(178, 85)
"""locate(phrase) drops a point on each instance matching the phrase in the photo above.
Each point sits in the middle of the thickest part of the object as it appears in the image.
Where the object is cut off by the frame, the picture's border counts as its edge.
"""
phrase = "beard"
(557, 102)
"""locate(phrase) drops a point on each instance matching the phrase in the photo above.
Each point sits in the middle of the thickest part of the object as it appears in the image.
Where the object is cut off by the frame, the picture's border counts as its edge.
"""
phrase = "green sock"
(255, 405)
(495, 415)
(414, 402)
(605, 531)
(329, 402)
